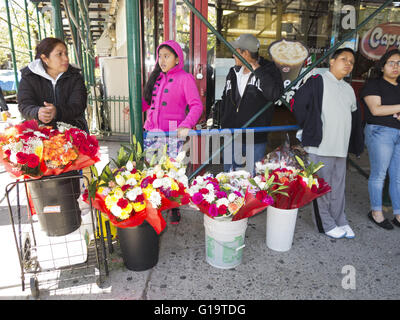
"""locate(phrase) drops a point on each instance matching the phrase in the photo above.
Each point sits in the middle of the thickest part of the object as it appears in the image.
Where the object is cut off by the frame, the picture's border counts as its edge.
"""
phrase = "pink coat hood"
(176, 101)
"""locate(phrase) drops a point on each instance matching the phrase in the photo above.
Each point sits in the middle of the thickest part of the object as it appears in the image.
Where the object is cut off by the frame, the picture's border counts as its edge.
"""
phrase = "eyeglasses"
(393, 63)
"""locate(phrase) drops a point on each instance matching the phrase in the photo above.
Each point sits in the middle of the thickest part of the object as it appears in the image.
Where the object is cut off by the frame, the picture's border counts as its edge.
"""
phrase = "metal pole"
(44, 24)
(14, 60)
(28, 29)
(38, 22)
(84, 60)
(78, 39)
(134, 69)
(69, 8)
(58, 28)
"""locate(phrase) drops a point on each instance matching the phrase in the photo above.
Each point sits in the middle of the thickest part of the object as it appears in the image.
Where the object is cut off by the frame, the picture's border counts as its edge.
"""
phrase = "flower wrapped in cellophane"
(30, 150)
(135, 190)
(231, 195)
(302, 185)
(216, 198)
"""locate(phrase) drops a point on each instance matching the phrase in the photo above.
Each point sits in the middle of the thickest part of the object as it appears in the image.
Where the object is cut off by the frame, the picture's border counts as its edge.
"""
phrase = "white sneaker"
(336, 233)
(349, 232)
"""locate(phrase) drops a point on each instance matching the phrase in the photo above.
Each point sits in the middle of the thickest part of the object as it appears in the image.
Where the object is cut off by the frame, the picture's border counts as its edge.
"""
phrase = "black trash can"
(55, 201)
(139, 246)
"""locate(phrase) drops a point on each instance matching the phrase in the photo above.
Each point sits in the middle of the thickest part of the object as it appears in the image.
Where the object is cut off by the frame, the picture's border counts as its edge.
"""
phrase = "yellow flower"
(174, 186)
(139, 206)
(118, 193)
(147, 191)
(137, 176)
(125, 213)
(169, 164)
(110, 200)
(39, 150)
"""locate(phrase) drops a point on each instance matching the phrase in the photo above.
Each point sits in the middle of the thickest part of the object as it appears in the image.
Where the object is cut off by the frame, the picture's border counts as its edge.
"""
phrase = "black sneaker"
(175, 216)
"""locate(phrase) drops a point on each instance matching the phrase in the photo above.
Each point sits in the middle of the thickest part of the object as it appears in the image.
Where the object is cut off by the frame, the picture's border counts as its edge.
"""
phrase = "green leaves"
(270, 185)
(311, 169)
(101, 180)
(127, 152)
(131, 152)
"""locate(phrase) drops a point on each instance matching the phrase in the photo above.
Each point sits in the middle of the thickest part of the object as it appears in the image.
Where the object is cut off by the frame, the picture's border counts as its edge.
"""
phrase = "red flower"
(222, 209)
(85, 149)
(139, 198)
(85, 195)
(122, 203)
(46, 131)
(204, 191)
(174, 194)
(22, 157)
(260, 195)
(27, 135)
(126, 186)
(7, 153)
(33, 161)
(92, 141)
(76, 136)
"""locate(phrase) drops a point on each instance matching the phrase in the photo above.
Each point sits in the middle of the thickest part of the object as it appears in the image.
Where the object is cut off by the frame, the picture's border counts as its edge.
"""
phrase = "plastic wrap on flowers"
(300, 194)
(167, 204)
(252, 205)
(151, 215)
(216, 197)
(32, 151)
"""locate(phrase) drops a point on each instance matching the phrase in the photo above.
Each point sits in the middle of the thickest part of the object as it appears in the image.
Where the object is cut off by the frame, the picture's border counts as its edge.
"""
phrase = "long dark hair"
(46, 46)
(376, 71)
(148, 89)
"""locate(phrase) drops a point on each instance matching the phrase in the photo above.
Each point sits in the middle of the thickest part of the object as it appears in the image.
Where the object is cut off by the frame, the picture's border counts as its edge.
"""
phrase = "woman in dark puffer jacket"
(51, 89)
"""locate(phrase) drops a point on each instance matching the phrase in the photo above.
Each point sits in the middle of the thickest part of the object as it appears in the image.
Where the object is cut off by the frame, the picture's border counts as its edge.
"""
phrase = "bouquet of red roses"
(29, 150)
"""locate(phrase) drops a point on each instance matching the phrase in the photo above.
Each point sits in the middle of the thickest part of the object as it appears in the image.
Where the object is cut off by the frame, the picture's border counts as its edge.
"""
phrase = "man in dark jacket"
(245, 93)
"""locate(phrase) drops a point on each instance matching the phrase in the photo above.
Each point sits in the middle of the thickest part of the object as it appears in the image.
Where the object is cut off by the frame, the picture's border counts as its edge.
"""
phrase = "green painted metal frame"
(14, 60)
(28, 43)
(28, 29)
(134, 69)
(58, 27)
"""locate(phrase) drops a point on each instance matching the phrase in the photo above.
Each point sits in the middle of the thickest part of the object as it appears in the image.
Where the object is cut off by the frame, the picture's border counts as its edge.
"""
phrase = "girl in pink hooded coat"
(171, 100)
(169, 92)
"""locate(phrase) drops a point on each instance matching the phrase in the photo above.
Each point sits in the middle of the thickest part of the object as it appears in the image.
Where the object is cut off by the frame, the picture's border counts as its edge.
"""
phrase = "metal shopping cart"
(57, 235)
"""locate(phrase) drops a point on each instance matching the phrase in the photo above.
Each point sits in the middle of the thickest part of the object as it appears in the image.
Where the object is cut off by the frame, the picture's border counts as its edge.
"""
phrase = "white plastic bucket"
(224, 242)
(280, 228)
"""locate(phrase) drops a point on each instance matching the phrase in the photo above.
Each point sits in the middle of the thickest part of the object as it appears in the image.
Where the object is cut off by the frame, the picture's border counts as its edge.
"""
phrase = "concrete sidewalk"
(316, 267)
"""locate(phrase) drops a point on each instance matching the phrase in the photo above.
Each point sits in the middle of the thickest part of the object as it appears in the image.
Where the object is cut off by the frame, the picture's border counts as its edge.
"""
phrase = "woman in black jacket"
(51, 89)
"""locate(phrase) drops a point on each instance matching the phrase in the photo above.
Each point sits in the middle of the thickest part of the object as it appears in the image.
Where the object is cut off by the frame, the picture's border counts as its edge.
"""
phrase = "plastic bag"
(283, 157)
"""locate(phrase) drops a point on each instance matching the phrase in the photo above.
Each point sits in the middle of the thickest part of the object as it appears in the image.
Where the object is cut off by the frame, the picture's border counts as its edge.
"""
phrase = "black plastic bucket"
(55, 203)
(139, 246)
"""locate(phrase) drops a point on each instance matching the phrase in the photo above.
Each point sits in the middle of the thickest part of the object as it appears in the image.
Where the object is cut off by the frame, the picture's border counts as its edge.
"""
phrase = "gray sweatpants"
(331, 205)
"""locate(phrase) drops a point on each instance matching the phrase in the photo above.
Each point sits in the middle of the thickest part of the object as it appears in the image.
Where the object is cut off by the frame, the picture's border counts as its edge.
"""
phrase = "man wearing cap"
(245, 94)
